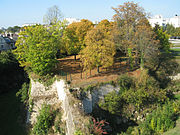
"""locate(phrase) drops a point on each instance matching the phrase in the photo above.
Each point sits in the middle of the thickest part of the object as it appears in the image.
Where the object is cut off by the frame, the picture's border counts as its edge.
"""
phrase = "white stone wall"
(40, 95)
(93, 98)
(56, 93)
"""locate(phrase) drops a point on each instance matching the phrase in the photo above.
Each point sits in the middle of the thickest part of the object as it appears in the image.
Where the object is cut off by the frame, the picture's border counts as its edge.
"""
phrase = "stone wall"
(176, 77)
(57, 92)
(97, 94)
(41, 95)
(62, 90)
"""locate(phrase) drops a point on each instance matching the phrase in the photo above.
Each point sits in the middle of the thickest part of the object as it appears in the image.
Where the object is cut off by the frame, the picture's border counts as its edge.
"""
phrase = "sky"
(19, 12)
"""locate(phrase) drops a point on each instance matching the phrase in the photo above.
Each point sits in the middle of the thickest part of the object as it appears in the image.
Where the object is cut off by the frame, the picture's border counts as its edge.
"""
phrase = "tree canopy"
(53, 15)
(99, 50)
(74, 36)
(128, 16)
(37, 47)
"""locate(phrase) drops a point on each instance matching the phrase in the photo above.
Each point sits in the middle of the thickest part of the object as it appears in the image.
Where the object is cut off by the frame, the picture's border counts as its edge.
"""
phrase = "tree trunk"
(98, 69)
(90, 72)
(136, 59)
(81, 73)
(75, 57)
(142, 61)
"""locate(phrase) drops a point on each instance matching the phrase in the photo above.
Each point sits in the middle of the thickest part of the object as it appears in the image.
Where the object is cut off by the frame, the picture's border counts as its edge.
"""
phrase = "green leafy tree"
(37, 47)
(163, 38)
(13, 29)
(170, 29)
(177, 31)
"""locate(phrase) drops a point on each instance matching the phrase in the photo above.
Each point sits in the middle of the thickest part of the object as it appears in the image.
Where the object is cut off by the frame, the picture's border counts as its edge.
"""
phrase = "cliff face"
(41, 95)
(73, 109)
(92, 98)
(57, 93)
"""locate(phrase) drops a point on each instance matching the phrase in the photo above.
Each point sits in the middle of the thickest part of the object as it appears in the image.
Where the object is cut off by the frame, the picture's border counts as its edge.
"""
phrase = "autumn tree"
(37, 47)
(53, 15)
(99, 51)
(146, 44)
(127, 17)
(74, 36)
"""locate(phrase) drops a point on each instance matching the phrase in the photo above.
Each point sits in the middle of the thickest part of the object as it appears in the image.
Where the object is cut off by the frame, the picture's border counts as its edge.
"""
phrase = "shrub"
(23, 93)
(58, 124)
(113, 102)
(78, 132)
(161, 120)
(97, 127)
(44, 121)
(125, 82)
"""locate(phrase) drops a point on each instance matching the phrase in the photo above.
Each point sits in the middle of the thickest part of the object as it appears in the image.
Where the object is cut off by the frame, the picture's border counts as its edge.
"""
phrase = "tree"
(1, 31)
(53, 15)
(163, 38)
(71, 41)
(13, 29)
(74, 36)
(177, 31)
(99, 51)
(127, 17)
(37, 47)
(146, 44)
(170, 29)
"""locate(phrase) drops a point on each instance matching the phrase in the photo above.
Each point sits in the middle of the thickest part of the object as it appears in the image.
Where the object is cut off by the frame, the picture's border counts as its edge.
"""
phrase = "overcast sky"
(18, 12)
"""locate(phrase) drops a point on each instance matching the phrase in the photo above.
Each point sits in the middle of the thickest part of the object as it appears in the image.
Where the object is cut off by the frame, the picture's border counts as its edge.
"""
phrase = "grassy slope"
(176, 54)
(176, 130)
(10, 115)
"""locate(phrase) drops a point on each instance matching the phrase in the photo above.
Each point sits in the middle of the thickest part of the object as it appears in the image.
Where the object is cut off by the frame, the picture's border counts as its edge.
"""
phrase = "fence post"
(66, 76)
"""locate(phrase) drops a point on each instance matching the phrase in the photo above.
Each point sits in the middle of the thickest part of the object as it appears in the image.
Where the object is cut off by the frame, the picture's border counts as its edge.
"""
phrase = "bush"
(125, 82)
(161, 120)
(78, 132)
(23, 93)
(113, 103)
(58, 124)
(98, 127)
(44, 121)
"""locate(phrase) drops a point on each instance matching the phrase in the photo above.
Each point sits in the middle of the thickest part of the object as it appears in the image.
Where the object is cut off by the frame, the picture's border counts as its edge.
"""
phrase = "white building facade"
(158, 19)
(72, 20)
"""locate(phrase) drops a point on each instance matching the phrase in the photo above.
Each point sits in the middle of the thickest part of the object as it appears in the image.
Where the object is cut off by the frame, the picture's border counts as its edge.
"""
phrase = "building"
(158, 19)
(6, 43)
(29, 24)
(71, 20)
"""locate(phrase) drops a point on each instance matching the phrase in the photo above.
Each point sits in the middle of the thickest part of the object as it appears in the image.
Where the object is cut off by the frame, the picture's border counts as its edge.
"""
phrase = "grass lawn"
(176, 52)
(174, 131)
(10, 115)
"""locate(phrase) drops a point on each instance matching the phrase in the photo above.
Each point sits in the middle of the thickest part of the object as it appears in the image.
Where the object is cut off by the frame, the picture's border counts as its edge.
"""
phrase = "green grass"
(177, 96)
(10, 115)
(176, 53)
(176, 45)
(175, 49)
(176, 130)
